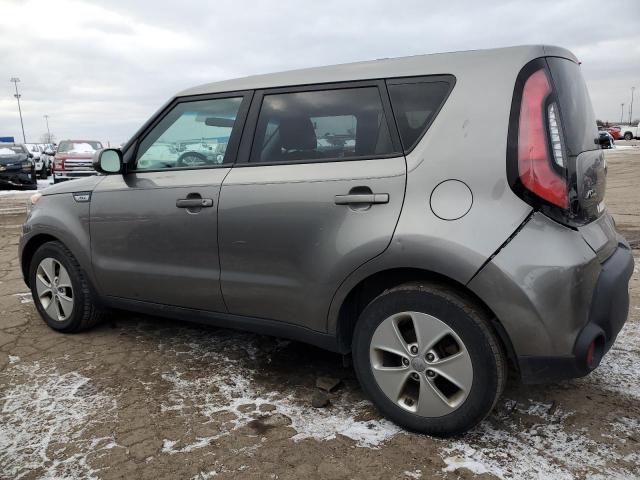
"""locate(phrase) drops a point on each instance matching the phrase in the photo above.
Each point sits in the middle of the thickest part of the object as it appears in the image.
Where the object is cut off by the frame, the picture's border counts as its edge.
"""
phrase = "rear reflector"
(590, 351)
(534, 163)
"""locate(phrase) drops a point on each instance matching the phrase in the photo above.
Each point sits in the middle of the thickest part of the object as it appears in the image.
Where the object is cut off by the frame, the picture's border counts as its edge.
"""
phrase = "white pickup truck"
(629, 133)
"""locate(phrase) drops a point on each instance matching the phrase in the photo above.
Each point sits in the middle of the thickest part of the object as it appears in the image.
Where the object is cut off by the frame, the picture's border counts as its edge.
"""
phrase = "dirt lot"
(149, 398)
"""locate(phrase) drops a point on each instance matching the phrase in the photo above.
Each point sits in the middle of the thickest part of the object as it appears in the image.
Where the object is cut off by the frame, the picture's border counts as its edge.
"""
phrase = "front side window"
(321, 125)
(193, 134)
(415, 105)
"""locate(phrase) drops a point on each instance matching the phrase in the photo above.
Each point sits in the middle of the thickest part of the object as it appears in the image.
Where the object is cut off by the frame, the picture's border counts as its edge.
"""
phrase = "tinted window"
(576, 112)
(415, 105)
(193, 134)
(321, 125)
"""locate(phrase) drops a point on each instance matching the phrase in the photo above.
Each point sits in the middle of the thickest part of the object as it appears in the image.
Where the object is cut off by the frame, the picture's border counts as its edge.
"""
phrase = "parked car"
(606, 140)
(629, 132)
(48, 154)
(615, 133)
(437, 217)
(17, 168)
(73, 159)
(41, 163)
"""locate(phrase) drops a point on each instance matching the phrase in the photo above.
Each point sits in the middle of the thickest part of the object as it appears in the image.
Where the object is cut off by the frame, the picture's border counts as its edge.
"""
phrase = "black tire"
(469, 322)
(628, 136)
(86, 313)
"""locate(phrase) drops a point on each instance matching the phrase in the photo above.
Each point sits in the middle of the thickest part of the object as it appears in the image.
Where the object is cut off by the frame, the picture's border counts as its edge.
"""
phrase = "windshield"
(6, 150)
(87, 146)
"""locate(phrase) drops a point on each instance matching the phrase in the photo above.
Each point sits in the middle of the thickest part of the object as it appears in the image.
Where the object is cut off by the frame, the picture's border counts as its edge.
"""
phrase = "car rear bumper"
(17, 179)
(607, 315)
(554, 296)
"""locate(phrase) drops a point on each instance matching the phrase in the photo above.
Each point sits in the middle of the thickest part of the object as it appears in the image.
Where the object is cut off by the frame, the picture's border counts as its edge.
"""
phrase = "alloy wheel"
(421, 364)
(54, 289)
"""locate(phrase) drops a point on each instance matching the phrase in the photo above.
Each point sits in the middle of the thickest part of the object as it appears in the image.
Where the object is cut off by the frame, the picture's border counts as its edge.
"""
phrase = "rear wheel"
(628, 136)
(428, 359)
(60, 291)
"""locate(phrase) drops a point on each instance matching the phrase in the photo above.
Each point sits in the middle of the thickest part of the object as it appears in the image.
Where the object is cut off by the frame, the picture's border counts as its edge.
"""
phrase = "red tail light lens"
(535, 169)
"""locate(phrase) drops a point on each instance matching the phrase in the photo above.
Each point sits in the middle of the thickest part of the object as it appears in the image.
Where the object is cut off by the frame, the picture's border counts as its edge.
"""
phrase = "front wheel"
(628, 136)
(428, 359)
(60, 291)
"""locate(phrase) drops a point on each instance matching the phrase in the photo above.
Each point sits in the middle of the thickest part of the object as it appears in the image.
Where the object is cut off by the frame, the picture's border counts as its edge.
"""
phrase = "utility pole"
(621, 113)
(46, 119)
(15, 81)
(631, 106)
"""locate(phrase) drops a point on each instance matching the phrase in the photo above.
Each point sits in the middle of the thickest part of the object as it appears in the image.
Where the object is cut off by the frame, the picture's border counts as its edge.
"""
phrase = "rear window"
(322, 125)
(415, 105)
(576, 112)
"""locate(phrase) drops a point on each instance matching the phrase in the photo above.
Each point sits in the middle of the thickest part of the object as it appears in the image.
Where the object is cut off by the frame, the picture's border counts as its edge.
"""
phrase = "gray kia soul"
(439, 217)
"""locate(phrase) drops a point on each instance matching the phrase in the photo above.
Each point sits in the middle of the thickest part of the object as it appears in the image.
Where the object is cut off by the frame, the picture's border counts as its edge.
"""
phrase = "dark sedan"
(606, 140)
(17, 168)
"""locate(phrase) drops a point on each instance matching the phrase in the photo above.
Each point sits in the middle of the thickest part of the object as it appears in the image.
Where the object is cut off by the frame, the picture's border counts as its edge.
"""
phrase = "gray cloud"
(99, 69)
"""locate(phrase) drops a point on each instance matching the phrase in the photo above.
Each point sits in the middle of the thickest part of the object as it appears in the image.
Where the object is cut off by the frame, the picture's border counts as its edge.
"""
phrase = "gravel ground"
(152, 398)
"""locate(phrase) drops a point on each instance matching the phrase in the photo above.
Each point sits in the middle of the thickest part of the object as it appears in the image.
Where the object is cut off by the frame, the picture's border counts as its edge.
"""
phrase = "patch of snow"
(44, 415)
(6, 151)
(235, 391)
(24, 297)
(13, 359)
(414, 474)
(82, 148)
(546, 449)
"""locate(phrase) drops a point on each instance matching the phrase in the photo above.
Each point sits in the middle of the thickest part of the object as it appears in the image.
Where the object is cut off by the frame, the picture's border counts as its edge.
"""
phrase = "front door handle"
(368, 198)
(194, 203)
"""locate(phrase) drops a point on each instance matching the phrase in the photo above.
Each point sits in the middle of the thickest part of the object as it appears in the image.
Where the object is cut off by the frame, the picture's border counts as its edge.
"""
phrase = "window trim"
(243, 158)
(131, 152)
(445, 78)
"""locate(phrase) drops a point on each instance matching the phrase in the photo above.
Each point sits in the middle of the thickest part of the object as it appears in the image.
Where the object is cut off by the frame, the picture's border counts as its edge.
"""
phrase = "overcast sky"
(99, 69)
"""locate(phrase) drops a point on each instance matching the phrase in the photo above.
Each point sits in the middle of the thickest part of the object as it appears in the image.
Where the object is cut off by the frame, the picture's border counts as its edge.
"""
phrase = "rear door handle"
(367, 198)
(194, 203)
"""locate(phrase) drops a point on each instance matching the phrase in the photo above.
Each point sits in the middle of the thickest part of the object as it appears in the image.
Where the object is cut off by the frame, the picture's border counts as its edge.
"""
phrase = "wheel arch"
(373, 285)
(30, 249)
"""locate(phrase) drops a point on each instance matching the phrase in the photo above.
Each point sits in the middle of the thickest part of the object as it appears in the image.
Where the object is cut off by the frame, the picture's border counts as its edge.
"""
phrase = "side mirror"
(108, 160)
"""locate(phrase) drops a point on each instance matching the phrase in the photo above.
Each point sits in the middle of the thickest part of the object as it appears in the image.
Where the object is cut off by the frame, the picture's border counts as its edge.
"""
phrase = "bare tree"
(47, 138)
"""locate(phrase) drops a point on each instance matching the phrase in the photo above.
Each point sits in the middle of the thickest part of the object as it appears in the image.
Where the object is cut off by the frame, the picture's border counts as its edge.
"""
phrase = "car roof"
(418, 65)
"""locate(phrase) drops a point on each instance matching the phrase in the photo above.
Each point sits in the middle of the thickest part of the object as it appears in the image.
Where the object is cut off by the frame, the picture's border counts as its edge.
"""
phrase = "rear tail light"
(540, 150)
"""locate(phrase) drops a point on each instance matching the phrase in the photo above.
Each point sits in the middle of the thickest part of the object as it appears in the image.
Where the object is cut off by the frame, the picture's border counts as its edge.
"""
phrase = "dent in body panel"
(540, 287)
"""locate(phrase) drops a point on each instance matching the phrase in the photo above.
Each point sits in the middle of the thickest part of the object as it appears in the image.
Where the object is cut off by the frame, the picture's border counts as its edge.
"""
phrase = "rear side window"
(576, 112)
(415, 105)
(321, 125)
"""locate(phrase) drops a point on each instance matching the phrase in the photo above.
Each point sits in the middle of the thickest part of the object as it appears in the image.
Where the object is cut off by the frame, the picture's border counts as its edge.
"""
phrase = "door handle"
(194, 203)
(367, 198)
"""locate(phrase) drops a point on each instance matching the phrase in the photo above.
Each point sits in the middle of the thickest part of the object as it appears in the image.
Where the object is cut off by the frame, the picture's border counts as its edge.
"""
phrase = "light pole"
(15, 81)
(46, 119)
(631, 106)
(621, 113)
